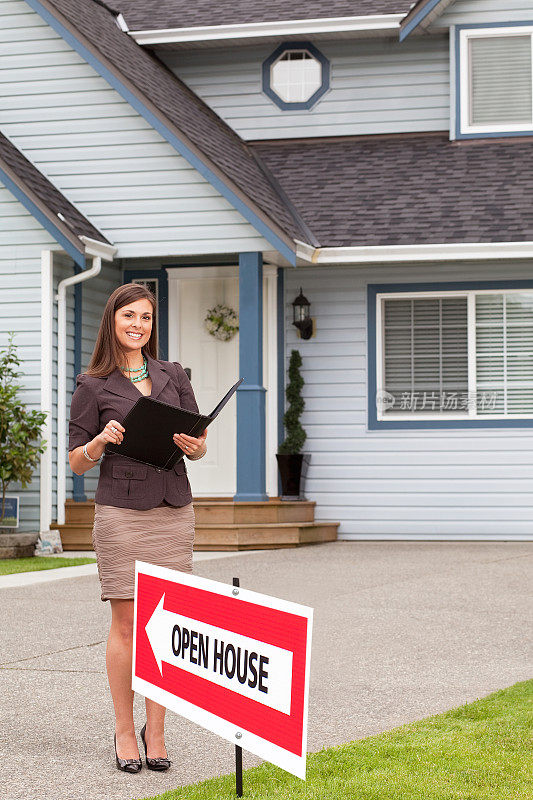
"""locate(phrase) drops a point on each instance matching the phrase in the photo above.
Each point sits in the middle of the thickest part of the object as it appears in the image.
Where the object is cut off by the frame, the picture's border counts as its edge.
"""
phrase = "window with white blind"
(455, 355)
(496, 79)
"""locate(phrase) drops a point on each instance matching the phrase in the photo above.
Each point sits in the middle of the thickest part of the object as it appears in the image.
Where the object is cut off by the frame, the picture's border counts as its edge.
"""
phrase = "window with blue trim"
(456, 355)
(296, 75)
(496, 80)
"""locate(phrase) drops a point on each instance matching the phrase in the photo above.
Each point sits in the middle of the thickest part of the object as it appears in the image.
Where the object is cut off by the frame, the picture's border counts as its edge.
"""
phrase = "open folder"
(150, 425)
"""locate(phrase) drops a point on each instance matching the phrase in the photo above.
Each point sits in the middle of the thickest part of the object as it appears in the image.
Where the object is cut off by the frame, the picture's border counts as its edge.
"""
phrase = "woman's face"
(133, 325)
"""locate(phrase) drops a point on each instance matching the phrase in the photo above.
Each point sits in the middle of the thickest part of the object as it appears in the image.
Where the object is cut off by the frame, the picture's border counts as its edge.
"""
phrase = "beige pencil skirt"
(162, 536)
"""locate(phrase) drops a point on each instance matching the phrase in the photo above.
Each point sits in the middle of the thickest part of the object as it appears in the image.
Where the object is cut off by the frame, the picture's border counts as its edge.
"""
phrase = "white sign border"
(227, 730)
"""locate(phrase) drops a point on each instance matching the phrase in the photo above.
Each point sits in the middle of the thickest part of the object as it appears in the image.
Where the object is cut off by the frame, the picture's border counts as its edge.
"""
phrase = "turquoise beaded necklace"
(143, 372)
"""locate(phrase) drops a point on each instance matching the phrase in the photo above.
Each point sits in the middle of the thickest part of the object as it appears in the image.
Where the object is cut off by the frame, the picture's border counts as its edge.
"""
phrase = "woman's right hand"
(109, 436)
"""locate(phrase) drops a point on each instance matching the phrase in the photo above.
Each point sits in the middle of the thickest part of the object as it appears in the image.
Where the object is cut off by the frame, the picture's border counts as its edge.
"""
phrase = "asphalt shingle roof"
(406, 189)
(183, 109)
(37, 184)
(158, 14)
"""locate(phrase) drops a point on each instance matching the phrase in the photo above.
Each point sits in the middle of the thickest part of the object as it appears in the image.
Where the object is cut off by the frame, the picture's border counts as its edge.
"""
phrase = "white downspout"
(45, 543)
(62, 380)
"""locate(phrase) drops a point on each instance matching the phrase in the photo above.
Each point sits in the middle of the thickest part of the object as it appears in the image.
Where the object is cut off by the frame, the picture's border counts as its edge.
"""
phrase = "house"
(375, 153)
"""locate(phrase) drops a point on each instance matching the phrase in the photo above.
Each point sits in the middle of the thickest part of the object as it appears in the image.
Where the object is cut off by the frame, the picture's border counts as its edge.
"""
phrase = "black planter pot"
(293, 469)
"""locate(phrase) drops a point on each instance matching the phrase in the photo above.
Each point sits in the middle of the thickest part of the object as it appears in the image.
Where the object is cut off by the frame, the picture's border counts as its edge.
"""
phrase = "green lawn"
(8, 566)
(480, 751)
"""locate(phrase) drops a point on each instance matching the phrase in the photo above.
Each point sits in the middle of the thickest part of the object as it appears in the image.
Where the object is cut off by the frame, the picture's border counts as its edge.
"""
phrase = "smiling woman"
(133, 327)
(141, 513)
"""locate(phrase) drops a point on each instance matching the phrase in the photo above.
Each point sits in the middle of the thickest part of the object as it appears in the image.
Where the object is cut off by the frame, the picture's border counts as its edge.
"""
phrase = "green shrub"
(295, 434)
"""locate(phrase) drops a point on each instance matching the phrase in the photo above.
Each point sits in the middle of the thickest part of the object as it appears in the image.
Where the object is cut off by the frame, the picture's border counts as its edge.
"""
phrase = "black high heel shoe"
(158, 764)
(131, 765)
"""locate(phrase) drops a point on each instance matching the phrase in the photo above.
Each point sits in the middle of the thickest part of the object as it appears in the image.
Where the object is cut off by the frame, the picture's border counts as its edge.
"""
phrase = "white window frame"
(470, 296)
(464, 38)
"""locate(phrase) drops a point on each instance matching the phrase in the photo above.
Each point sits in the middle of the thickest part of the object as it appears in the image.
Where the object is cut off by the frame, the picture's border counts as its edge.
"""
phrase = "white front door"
(215, 368)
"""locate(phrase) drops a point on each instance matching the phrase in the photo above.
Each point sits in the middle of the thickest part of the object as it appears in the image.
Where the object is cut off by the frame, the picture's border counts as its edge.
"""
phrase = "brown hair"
(107, 352)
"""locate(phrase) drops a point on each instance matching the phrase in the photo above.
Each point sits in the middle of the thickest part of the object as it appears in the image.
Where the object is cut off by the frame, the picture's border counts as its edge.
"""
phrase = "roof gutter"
(213, 33)
(390, 254)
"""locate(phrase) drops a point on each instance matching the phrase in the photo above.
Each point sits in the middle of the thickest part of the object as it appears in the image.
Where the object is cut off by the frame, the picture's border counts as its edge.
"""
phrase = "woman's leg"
(155, 730)
(118, 662)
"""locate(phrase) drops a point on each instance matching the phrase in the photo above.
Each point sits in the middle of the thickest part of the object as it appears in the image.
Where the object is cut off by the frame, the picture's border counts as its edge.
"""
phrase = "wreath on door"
(222, 322)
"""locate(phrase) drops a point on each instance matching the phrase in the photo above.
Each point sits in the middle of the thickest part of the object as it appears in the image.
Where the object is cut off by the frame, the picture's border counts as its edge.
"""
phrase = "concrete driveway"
(402, 631)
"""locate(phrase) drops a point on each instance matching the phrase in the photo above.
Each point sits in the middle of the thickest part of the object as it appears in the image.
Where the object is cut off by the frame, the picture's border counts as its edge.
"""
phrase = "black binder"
(150, 425)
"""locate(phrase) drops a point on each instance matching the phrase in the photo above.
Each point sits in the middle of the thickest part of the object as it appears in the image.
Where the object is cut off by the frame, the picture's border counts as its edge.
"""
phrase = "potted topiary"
(20, 445)
(292, 463)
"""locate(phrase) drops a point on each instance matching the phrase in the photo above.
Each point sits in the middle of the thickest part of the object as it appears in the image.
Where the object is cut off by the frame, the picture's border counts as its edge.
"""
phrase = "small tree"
(19, 428)
(295, 434)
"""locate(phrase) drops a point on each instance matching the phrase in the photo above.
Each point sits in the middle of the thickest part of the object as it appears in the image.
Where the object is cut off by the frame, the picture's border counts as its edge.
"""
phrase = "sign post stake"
(238, 750)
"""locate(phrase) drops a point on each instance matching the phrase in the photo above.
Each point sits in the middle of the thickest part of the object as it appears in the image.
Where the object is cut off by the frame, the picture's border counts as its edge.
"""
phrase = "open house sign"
(231, 660)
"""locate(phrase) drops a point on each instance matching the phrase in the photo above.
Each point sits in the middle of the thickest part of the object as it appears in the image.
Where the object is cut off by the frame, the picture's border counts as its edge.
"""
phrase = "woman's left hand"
(190, 444)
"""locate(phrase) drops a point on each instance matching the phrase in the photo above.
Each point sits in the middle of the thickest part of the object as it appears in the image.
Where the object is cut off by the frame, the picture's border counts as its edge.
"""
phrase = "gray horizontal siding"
(377, 86)
(21, 242)
(84, 137)
(447, 484)
(464, 12)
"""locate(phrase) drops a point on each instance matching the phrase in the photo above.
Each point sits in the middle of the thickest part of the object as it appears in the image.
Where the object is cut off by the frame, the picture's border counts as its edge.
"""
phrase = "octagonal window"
(296, 75)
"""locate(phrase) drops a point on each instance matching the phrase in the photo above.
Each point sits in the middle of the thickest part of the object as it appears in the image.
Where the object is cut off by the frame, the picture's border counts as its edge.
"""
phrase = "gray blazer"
(123, 482)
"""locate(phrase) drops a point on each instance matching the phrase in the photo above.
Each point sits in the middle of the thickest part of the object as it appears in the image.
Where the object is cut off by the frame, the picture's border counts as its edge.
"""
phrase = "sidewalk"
(59, 574)
(402, 631)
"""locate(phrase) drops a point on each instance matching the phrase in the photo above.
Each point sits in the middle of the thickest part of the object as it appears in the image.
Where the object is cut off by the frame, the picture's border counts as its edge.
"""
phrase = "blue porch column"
(251, 479)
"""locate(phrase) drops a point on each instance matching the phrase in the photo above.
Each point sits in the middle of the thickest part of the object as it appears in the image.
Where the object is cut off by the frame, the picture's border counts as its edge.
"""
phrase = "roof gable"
(46, 203)
(184, 120)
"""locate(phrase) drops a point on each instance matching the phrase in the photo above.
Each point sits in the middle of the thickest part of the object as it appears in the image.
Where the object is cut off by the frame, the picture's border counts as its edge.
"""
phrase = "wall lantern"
(301, 316)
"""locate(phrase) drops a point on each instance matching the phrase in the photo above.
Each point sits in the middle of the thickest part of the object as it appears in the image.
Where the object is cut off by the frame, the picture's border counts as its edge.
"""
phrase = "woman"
(140, 512)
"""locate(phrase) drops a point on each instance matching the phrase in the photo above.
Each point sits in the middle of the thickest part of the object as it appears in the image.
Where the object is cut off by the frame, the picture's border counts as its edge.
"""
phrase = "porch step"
(273, 510)
(75, 535)
(82, 512)
(222, 524)
(219, 510)
(243, 536)
(264, 536)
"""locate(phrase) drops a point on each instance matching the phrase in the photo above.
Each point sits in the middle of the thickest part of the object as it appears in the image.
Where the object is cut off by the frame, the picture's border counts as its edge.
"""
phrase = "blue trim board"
(418, 18)
(497, 134)
(281, 352)
(281, 359)
(47, 224)
(372, 291)
(307, 104)
(162, 276)
(260, 226)
(251, 416)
